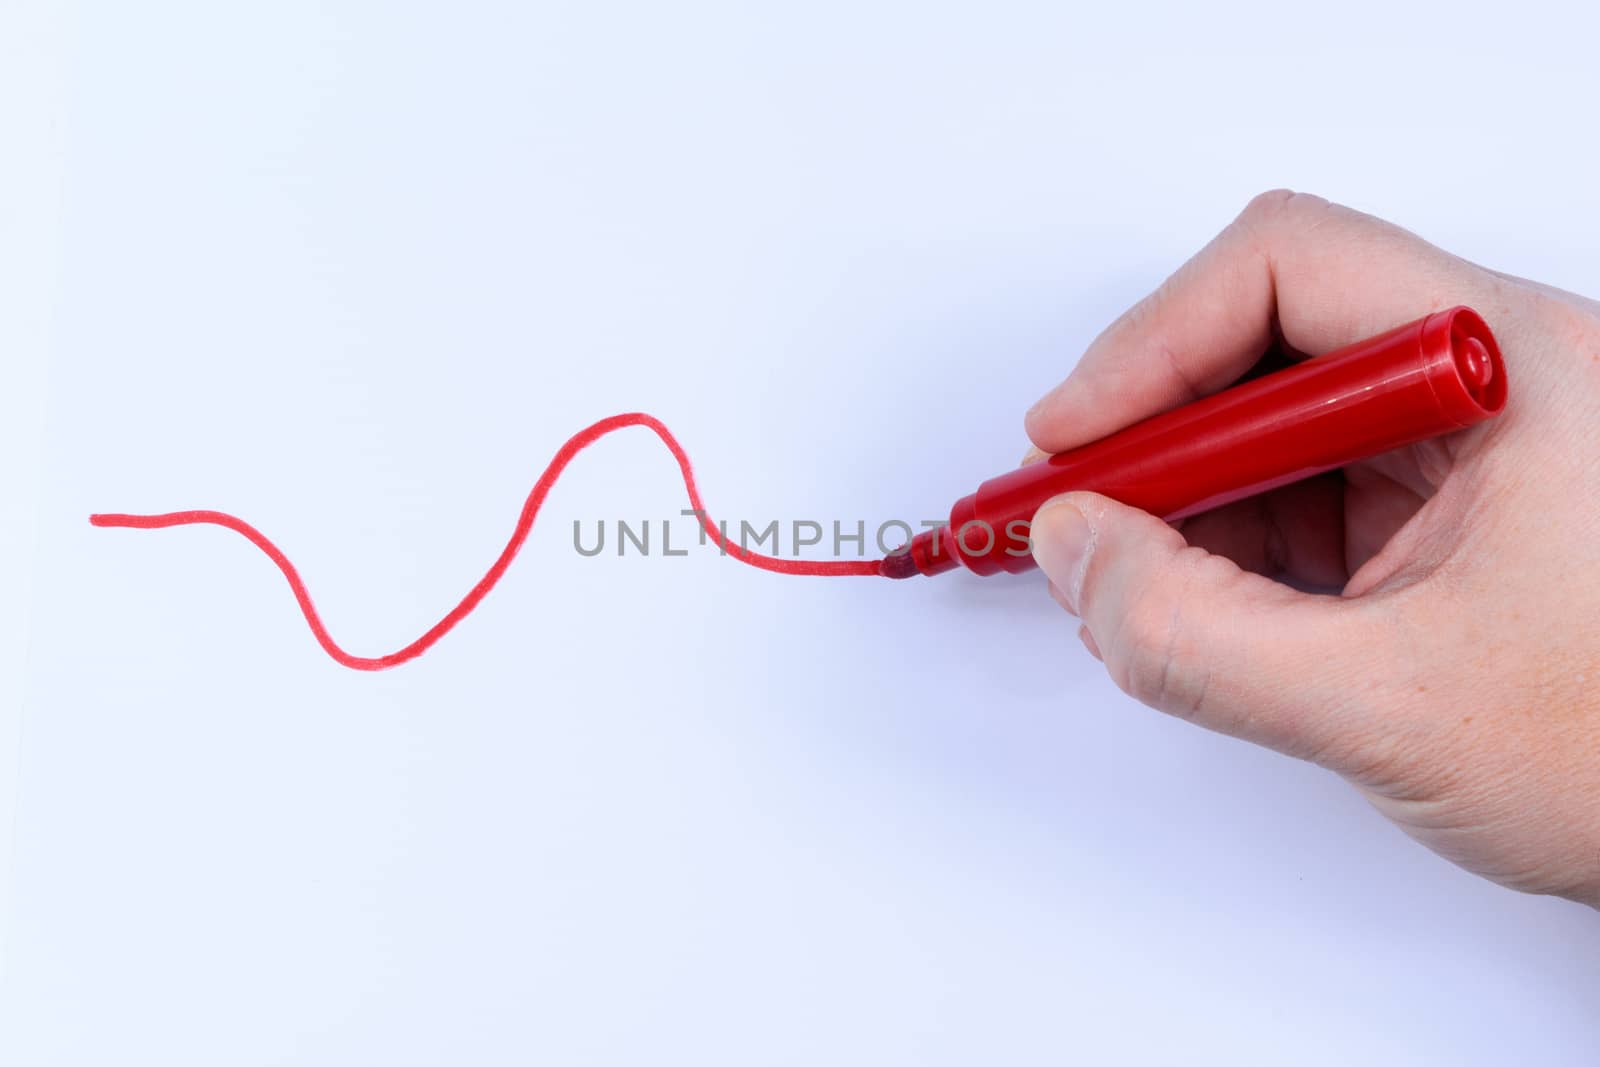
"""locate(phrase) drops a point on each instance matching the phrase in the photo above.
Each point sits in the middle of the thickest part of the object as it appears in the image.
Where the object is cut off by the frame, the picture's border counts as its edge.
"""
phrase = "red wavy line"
(530, 510)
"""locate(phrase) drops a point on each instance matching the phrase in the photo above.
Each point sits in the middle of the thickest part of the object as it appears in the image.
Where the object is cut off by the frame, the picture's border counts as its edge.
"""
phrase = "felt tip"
(900, 565)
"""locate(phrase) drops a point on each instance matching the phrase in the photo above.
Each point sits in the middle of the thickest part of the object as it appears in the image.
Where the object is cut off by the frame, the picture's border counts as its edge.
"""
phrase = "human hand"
(1454, 680)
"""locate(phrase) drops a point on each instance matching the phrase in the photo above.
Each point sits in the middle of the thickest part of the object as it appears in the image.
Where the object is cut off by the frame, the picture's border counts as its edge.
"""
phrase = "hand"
(1455, 680)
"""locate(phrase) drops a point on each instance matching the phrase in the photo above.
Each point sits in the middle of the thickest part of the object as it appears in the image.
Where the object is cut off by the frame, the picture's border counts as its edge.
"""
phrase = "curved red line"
(530, 510)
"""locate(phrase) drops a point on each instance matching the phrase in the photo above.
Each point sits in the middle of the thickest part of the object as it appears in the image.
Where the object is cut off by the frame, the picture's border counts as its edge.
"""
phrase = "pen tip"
(900, 565)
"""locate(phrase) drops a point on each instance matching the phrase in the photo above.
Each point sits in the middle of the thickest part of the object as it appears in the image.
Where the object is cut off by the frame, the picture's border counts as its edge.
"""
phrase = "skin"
(1453, 679)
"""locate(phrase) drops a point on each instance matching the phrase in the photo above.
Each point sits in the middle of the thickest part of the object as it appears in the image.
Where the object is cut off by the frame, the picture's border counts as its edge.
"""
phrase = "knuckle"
(1275, 204)
(1141, 670)
(1153, 660)
(1268, 204)
(1278, 209)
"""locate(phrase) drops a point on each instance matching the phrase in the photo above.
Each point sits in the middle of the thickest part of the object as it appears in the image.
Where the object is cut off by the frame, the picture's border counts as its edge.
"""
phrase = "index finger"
(1316, 274)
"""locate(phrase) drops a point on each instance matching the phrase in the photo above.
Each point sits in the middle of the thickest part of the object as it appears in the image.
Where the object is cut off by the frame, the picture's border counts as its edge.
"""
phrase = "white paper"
(353, 272)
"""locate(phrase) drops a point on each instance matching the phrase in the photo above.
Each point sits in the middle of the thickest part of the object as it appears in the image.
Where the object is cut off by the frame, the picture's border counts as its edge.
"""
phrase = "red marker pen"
(1435, 375)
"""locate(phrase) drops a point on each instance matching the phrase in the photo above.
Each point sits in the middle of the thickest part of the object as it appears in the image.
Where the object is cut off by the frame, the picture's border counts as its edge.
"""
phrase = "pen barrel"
(1438, 374)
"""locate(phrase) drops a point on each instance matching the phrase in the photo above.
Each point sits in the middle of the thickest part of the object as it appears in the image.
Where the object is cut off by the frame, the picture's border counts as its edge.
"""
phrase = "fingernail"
(1062, 540)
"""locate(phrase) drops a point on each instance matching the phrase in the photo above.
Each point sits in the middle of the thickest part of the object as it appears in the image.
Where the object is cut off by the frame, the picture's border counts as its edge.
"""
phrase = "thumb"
(1189, 633)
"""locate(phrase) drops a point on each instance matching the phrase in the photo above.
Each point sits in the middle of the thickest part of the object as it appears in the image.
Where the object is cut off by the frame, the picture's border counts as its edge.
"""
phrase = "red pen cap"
(1440, 373)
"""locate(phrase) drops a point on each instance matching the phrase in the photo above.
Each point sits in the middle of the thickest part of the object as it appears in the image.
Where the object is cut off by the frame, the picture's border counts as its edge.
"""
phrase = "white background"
(355, 270)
